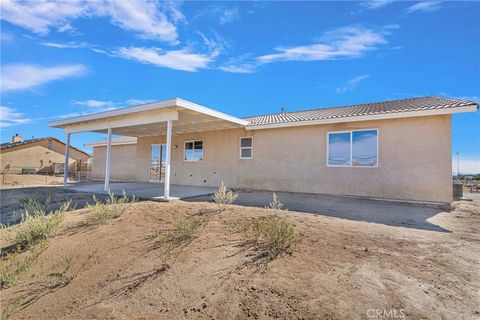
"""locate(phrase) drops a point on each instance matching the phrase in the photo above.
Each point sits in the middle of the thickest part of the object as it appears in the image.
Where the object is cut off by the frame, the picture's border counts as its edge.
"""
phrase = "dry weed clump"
(102, 212)
(223, 196)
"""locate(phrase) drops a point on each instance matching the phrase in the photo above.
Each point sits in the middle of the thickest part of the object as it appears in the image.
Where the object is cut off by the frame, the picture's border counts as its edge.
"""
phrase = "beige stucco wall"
(37, 155)
(123, 164)
(414, 160)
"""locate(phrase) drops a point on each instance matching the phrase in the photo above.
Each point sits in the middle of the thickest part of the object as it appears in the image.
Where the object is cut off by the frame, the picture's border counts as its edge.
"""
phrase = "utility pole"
(458, 165)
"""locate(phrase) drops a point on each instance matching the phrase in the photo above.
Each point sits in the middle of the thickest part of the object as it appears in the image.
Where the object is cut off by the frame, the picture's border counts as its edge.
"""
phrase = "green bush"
(273, 235)
(37, 202)
(39, 226)
(223, 196)
(13, 264)
(102, 212)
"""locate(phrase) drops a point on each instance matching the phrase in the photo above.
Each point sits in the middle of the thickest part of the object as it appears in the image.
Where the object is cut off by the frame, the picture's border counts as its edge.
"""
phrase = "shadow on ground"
(398, 214)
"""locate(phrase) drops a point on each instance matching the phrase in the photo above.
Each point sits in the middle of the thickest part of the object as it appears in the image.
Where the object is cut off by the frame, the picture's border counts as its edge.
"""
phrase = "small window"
(246, 148)
(28, 170)
(358, 148)
(193, 150)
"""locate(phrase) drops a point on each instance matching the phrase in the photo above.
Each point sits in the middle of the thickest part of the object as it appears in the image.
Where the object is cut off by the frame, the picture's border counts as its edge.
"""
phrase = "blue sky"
(243, 58)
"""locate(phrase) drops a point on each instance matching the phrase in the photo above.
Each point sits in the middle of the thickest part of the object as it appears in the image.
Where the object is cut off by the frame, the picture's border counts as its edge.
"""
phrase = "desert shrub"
(39, 226)
(275, 203)
(223, 196)
(15, 263)
(273, 235)
(183, 230)
(37, 202)
(102, 212)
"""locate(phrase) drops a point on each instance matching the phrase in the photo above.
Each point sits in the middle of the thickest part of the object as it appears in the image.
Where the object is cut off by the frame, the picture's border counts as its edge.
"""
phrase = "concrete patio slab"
(145, 190)
(393, 213)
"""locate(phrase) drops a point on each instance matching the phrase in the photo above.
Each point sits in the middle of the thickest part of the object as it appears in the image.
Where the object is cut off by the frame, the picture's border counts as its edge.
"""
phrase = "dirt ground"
(340, 269)
(11, 211)
(28, 180)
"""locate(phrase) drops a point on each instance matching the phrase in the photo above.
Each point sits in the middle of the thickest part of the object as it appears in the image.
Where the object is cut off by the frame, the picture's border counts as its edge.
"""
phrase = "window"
(246, 148)
(193, 150)
(358, 148)
(28, 170)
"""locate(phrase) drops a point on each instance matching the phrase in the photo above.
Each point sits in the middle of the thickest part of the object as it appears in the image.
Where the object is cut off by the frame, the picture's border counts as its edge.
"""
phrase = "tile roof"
(8, 145)
(376, 108)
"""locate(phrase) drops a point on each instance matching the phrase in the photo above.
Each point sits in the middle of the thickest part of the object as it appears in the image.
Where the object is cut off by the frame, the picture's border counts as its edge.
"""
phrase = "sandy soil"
(341, 269)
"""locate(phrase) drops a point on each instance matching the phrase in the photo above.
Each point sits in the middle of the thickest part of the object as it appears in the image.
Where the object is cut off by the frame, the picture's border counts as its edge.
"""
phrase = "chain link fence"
(51, 175)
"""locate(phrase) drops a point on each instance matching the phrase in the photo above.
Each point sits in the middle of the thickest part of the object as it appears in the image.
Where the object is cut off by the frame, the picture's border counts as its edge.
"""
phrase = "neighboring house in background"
(38, 155)
(124, 149)
(398, 149)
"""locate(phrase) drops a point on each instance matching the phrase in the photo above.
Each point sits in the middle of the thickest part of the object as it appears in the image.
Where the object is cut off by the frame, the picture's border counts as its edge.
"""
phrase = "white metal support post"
(107, 161)
(167, 159)
(67, 156)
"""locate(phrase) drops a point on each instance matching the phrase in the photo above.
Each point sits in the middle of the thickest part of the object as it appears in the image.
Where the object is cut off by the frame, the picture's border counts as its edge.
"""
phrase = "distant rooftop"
(8, 145)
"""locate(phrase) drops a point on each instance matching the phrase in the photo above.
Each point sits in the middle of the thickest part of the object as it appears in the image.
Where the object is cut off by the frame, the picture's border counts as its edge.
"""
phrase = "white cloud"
(94, 106)
(183, 59)
(144, 17)
(41, 16)
(93, 103)
(375, 4)
(10, 117)
(5, 36)
(66, 45)
(347, 42)
(224, 14)
(352, 84)
(238, 67)
(16, 77)
(229, 15)
(424, 6)
(131, 102)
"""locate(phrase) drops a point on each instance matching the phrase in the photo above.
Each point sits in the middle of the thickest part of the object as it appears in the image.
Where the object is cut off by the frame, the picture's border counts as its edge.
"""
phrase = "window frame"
(351, 148)
(241, 148)
(193, 150)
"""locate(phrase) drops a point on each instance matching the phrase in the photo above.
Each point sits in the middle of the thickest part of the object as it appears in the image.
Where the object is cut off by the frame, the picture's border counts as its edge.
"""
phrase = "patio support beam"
(67, 156)
(107, 161)
(168, 157)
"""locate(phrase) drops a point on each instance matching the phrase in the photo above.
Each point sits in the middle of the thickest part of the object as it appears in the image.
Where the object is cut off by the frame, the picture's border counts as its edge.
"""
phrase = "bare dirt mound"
(339, 269)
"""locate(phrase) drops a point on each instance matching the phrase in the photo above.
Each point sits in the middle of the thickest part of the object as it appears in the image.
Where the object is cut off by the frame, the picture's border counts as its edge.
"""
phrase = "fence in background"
(51, 175)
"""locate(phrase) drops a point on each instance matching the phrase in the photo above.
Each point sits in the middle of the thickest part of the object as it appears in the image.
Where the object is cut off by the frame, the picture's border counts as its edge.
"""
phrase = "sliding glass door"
(157, 162)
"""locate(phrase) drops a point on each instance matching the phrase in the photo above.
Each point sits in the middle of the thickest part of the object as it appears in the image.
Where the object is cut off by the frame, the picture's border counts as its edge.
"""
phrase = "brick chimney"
(17, 138)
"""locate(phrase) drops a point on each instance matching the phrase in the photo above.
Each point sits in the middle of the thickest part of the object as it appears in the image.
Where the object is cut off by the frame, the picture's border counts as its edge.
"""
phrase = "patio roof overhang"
(151, 119)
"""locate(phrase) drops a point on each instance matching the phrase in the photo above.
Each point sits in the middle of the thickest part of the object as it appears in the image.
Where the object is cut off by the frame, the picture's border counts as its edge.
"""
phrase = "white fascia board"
(384, 116)
(210, 112)
(104, 143)
(147, 107)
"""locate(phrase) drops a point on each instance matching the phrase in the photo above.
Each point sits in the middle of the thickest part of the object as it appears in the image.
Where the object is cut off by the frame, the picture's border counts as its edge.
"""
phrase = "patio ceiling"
(150, 119)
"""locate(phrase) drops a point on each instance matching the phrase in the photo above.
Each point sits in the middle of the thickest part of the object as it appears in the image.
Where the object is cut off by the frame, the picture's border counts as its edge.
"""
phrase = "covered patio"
(145, 190)
(162, 118)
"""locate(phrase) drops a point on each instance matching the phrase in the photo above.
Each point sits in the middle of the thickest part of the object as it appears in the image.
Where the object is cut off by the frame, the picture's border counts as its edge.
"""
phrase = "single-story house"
(399, 149)
(39, 155)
